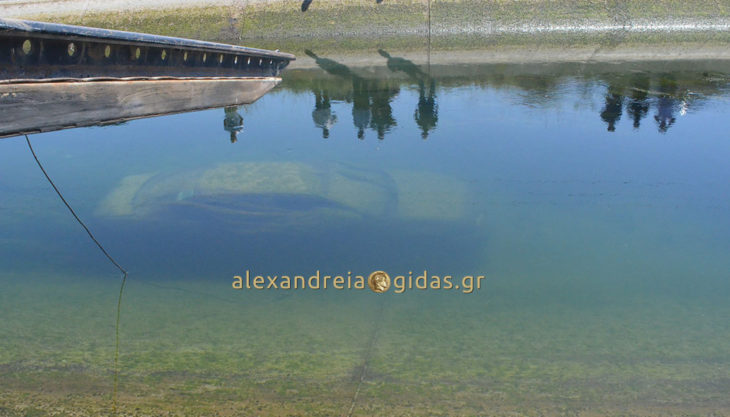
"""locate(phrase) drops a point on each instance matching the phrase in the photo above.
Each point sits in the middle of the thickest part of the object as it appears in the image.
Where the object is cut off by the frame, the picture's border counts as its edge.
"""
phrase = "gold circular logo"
(379, 281)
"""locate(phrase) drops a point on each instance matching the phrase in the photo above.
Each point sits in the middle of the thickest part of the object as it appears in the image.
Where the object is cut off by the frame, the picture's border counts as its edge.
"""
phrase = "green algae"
(302, 357)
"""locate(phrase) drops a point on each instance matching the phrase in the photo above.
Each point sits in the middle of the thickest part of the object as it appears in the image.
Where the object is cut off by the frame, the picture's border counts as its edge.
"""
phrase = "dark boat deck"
(35, 50)
(56, 76)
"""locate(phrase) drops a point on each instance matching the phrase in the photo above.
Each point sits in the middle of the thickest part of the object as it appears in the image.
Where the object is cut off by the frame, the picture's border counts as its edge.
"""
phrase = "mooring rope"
(366, 359)
(114, 262)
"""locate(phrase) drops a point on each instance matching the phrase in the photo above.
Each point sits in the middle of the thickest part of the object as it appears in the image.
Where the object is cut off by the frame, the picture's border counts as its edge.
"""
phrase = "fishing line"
(114, 262)
(368, 354)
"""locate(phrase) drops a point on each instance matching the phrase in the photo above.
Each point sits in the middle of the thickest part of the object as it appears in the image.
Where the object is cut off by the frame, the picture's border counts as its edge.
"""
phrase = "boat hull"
(35, 107)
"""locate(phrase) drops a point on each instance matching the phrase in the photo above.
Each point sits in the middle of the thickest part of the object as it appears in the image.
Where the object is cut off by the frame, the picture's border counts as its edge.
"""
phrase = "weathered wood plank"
(41, 107)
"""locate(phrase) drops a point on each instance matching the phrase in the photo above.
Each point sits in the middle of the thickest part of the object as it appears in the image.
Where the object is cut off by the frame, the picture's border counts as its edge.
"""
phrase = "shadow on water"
(426, 114)
(371, 98)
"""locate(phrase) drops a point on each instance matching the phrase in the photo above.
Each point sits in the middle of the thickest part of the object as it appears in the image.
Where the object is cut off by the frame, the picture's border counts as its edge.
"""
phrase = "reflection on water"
(594, 199)
(667, 99)
(233, 122)
(638, 106)
(371, 98)
(322, 114)
(426, 113)
(612, 111)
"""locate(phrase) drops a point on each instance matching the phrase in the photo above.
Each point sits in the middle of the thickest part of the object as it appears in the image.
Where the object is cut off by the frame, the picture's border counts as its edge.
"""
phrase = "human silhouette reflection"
(638, 106)
(662, 93)
(382, 114)
(665, 113)
(322, 114)
(611, 113)
(233, 122)
(361, 114)
(426, 114)
(371, 98)
(666, 104)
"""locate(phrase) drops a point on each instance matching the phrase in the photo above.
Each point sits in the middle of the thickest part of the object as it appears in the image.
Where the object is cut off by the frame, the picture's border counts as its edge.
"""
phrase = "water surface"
(594, 198)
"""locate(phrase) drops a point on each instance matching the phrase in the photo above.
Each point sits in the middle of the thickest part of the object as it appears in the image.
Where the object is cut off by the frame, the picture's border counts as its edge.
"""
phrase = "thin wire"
(115, 390)
(116, 264)
(72, 210)
(366, 359)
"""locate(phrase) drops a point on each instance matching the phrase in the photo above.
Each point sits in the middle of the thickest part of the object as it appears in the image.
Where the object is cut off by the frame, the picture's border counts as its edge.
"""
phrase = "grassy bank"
(352, 25)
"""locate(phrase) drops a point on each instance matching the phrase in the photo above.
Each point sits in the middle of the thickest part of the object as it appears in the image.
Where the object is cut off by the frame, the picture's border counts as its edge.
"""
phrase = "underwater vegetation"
(189, 349)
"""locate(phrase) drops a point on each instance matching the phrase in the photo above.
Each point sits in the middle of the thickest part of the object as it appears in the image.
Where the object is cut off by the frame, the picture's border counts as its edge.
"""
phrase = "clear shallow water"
(603, 241)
